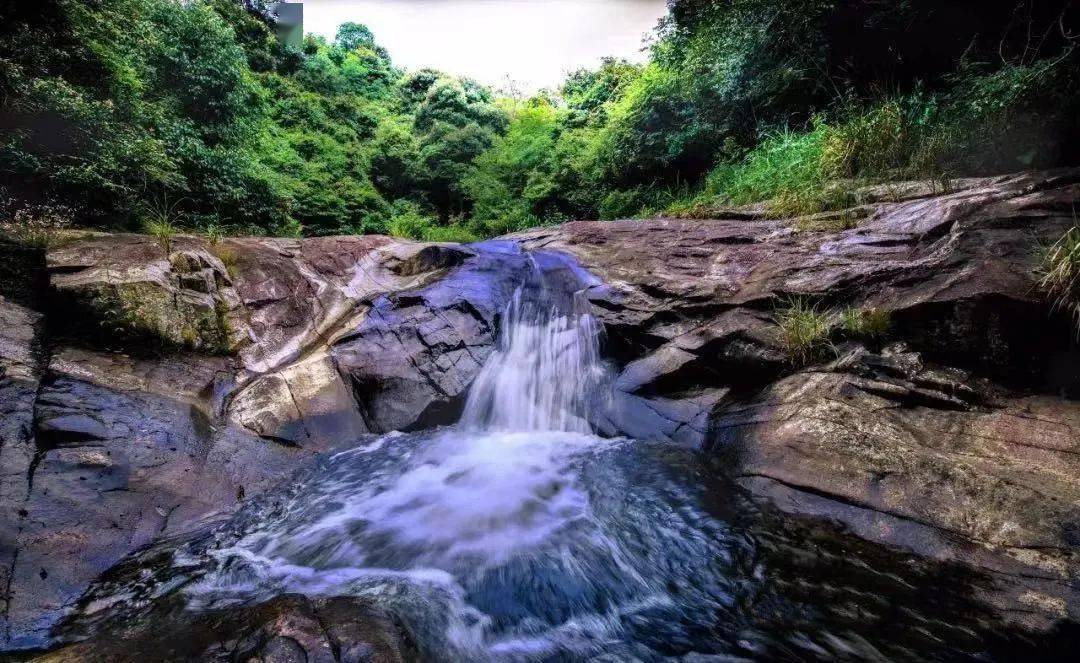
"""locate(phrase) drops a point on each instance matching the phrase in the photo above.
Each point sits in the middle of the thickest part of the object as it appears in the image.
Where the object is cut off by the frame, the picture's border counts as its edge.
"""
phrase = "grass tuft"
(228, 257)
(163, 231)
(804, 330)
(866, 322)
(1059, 273)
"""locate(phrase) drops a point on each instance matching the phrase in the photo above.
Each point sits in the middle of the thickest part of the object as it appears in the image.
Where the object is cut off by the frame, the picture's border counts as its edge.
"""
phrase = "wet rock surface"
(20, 375)
(158, 388)
(123, 451)
(411, 360)
(288, 629)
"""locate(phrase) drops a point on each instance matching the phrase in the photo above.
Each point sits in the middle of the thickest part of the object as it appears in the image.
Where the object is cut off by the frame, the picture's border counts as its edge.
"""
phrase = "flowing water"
(519, 535)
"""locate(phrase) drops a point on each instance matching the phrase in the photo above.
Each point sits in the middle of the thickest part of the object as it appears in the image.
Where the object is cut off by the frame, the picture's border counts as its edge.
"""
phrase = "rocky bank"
(148, 387)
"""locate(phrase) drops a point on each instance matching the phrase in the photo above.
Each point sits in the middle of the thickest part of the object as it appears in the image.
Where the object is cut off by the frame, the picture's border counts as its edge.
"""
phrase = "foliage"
(804, 330)
(192, 113)
(36, 226)
(409, 222)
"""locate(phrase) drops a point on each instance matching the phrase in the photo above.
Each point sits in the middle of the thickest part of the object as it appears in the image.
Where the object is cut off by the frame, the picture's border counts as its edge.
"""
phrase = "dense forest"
(162, 114)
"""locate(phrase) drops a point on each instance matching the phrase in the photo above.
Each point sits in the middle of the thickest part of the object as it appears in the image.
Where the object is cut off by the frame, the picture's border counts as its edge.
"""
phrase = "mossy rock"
(144, 312)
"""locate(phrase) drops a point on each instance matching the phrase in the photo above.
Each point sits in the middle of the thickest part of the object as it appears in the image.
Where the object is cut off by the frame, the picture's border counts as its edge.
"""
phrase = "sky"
(534, 42)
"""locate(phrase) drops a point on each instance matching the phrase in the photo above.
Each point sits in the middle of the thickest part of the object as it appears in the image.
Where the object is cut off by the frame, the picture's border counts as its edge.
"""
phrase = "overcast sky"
(536, 42)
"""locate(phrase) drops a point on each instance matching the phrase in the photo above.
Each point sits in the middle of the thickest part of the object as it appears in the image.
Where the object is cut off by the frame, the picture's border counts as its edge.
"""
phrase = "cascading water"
(546, 371)
(518, 535)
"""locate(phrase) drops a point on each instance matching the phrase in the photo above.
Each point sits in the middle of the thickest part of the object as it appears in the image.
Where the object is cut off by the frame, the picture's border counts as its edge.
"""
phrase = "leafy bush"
(409, 222)
(33, 226)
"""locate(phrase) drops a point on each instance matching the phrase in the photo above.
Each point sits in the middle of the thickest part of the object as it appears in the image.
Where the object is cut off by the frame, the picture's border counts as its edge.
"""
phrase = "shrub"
(512, 220)
(408, 222)
(804, 330)
(289, 228)
(213, 234)
(451, 233)
(1059, 273)
(866, 322)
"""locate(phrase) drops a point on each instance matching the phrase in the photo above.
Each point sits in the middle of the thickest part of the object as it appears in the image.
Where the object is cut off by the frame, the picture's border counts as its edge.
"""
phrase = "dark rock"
(286, 629)
(124, 451)
(20, 374)
(903, 457)
(411, 360)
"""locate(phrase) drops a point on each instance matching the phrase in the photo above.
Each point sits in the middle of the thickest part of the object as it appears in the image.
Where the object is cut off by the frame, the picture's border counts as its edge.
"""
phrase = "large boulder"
(411, 360)
(177, 293)
(924, 458)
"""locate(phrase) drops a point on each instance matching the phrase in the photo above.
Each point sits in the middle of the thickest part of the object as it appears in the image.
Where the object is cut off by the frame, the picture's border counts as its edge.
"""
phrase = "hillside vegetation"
(126, 114)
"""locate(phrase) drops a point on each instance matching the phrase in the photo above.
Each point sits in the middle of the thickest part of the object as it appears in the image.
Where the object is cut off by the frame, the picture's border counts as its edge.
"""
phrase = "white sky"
(536, 42)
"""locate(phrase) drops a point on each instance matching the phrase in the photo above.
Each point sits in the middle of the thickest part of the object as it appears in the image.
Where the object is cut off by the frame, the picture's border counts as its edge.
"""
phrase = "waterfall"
(546, 372)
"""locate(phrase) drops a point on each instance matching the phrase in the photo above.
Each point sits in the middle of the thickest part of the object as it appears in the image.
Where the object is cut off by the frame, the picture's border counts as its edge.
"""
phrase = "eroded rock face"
(281, 305)
(412, 359)
(689, 306)
(123, 451)
(20, 374)
(925, 459)
(179, 293)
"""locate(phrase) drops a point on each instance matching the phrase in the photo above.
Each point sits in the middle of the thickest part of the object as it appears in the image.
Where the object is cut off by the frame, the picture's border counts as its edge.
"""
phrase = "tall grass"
(1060, 273)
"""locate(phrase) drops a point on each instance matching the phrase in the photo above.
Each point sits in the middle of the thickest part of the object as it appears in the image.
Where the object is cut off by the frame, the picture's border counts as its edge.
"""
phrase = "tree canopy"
(124, 110)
